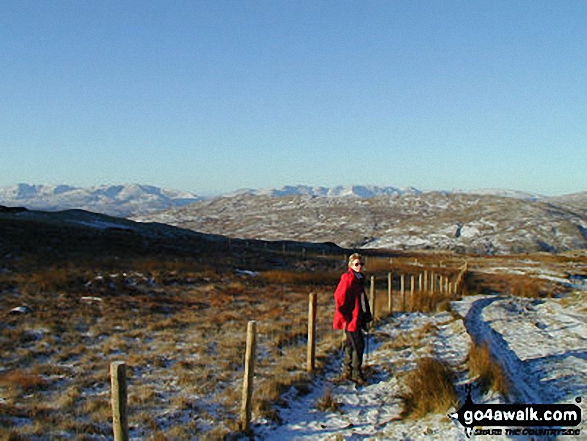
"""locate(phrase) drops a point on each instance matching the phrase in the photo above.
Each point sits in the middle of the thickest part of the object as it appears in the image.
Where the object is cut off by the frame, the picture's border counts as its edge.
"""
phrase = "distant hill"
(129, 200)
(115, 200)
(475, 223)
(49, 237)
(573, 202)
(369, 191)
(360, 191)
(359, 216)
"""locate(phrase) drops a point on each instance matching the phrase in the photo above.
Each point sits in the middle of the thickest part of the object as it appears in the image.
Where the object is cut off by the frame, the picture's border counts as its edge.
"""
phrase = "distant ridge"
(127, 200)
(357, 216)
(462, 222)
(531, 196)
(115, 200)
(360, 191)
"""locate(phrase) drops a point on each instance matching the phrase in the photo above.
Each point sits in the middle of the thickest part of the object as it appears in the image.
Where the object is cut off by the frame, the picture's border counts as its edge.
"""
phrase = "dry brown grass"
(327, 403)
(512, 284)
(486, 371)
(180, 325)
(577, 300)
(300, 277)
(521, 274)
(22, 381)
(430, 389)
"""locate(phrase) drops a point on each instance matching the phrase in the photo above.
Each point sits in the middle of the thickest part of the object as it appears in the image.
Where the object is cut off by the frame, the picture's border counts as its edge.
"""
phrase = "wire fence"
(282, 352)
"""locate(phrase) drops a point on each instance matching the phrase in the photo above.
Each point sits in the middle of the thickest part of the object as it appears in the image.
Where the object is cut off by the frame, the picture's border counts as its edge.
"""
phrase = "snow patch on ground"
(373, 411)
(540, 343)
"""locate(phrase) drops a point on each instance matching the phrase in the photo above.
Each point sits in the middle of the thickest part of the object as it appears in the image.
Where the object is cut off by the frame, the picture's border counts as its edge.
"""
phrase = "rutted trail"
(541, 345)
(373, 411)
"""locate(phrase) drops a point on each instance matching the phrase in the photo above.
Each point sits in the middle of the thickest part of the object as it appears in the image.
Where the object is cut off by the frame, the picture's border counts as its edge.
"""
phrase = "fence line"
(417, 287)
(429, 284)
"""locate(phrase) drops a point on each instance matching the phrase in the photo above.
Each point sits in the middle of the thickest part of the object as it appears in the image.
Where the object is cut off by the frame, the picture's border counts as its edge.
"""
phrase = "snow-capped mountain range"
(114, 200)
(361, 191)
(134, 199)
(487, 221)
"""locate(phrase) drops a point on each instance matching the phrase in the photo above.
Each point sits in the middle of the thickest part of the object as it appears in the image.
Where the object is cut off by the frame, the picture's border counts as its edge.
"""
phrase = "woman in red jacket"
(352, 313)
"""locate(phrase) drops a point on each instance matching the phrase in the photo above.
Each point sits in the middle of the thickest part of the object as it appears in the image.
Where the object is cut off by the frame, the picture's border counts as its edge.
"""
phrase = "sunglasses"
(359, 264)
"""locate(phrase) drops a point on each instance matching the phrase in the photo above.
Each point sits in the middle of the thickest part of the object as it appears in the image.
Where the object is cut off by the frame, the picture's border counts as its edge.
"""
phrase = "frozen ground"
(541, 344)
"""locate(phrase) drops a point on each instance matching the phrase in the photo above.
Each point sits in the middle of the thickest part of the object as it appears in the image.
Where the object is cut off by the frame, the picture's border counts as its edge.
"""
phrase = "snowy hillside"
(573, 202)
(115, 200)
(360, 191)
(434, 220)
(504, 193)
(159, 306)
(358, 216)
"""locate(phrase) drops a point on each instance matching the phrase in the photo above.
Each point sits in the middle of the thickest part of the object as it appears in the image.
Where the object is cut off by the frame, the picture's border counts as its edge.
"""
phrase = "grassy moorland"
(176, 312)
(181, 331)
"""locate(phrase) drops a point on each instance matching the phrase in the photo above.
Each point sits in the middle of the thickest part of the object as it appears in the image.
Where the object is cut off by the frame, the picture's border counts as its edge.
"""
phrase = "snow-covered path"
(373, 411)
(541, 344)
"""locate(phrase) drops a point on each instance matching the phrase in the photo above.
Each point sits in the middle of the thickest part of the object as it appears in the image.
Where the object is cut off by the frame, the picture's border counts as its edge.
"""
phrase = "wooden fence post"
(390, 292)
(425, 287)
(247, 404)
(373, 299)
(402, 281)
(119, 401)
(412, 292)
(311, 355)
(420, 289)
(461, 280)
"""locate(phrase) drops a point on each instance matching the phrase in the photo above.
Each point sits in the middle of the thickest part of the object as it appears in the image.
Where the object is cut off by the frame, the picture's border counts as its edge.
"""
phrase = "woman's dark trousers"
(354, 348)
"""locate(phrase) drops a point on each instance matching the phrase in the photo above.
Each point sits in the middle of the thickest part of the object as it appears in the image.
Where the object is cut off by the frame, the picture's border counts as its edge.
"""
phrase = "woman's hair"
(355, 256)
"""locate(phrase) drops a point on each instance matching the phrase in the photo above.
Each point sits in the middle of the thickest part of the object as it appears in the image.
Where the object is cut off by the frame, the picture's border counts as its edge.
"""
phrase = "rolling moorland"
(79, 290)
(485, 222)
(460, 222)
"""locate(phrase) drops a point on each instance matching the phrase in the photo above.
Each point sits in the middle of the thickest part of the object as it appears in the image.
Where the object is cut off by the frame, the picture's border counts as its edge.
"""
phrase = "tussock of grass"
(487, 372)
(327, 403)
(22, 381)
(430, 389)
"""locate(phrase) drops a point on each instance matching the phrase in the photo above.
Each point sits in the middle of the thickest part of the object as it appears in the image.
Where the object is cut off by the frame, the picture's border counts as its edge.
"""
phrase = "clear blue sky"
(212, 96)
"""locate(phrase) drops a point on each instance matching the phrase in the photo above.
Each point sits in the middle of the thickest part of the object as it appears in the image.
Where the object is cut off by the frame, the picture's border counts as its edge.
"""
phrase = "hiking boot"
(360, 380)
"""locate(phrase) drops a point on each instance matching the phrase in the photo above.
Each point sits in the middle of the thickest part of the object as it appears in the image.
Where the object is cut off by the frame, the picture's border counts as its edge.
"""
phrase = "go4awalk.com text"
(549, 420)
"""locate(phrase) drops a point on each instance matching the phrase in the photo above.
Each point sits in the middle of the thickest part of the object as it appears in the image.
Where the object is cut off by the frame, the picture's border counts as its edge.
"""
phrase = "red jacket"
(350, 303)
